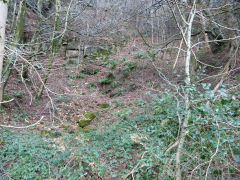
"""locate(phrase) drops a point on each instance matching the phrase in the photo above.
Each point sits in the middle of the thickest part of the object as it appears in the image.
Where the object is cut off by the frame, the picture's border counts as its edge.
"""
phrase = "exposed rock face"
(74, 52)
(93, 51)
(73, 56)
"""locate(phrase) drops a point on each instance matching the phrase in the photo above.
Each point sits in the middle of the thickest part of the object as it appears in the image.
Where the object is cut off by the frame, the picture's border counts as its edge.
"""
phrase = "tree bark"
(184, 130)
(3, 19)
(17, 39)
(54, 45)
(53, 51)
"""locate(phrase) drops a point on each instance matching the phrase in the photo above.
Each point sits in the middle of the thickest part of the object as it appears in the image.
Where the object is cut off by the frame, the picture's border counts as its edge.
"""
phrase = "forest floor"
(78, 88)
(111, 88)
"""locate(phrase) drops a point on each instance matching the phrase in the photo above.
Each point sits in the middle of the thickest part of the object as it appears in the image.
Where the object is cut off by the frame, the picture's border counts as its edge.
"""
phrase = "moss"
(89, 115)
(6, 97)
(104, 106)
(20, 22)
(86, 119)
(195, 63)
(83, 123)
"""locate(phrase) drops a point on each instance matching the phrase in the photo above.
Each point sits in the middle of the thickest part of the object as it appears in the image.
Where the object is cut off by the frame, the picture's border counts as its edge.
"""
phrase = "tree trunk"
(17, 39)
(20, 22)
(14, 16)
(203, 26)
(54, 45)
(184, 130)
(3, 19)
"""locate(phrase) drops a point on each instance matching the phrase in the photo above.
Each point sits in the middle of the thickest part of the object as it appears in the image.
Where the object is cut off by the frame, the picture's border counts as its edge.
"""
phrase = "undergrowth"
(139, 145)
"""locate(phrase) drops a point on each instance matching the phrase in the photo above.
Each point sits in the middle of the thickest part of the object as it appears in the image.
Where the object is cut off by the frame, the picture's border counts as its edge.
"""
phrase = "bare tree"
(3, 19)
(184, 132)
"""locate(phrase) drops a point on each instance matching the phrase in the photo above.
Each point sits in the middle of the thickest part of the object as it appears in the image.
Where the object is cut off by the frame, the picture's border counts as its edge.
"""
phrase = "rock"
(83, 123)
(90, 115)
(86, 119)
(73, 56)
(72, 53)
(95, 51)
(73, 50)
(104, 106)
(72, 60)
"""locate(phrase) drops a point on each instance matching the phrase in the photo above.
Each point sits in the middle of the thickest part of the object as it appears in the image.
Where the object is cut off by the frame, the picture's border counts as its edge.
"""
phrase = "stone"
(94, 51)
(83, 123)
(90, 115)
(86, 119)
(72, 53)
(104, 106)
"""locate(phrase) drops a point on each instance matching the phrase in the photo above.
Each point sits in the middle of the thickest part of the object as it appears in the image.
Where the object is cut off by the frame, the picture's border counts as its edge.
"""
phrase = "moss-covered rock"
(95, 51)
(104, 106)
(86, 119)
(90, 115)
(83, 123)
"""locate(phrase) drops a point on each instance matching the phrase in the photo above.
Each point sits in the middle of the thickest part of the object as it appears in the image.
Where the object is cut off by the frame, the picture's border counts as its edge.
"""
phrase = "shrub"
(141, 141)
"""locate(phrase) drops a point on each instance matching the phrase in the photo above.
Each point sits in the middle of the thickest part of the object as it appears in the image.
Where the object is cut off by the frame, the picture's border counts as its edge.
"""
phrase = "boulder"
(86, 119)
(72, 53)
(94, 51)
(73, 56)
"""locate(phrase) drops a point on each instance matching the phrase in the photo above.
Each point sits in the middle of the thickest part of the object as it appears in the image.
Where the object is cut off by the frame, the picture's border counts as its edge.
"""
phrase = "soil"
(72, 90)
(69, 97)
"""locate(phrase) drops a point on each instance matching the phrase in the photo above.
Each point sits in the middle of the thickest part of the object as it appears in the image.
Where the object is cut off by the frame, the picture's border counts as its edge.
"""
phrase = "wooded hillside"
(119, 89)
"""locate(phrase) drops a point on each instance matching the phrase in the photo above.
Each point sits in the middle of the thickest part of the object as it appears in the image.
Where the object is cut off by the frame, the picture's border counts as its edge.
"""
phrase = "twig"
(4, 102)
(214, 153)
(175, 144)
(22, 127)
(197, 168)
(135, 168)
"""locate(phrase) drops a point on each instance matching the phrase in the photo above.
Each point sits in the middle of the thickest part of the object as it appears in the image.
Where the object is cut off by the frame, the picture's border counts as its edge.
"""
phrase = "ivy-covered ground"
(115, 118)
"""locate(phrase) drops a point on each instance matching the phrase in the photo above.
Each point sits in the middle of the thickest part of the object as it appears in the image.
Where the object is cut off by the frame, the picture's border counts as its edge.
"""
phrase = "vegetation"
(119, 89)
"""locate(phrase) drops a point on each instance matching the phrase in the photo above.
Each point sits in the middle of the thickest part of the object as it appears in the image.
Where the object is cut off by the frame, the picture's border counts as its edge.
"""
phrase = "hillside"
(119, 90)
